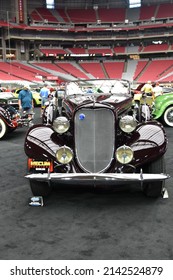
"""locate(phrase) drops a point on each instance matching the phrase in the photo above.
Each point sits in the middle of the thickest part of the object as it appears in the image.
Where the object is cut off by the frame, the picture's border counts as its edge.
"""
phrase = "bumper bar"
(114, 178)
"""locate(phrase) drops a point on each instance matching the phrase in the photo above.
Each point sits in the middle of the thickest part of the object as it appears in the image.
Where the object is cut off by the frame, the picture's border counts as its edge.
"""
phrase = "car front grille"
(94, 138)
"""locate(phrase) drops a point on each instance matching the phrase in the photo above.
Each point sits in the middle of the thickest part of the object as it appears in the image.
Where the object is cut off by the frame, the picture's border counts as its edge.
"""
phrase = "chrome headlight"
(61, 125)
(127, 124)
(64, 155)
(124, 154)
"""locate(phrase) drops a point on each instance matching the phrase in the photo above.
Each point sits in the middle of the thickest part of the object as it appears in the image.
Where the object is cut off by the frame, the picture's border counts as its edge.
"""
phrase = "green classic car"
(163, 107)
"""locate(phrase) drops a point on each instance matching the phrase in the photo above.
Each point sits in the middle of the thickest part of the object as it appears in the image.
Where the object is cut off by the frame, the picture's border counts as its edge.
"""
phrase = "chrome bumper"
(110, 178)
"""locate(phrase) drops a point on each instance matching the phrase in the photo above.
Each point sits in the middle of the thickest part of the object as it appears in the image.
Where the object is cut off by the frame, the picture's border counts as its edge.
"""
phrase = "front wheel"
(155, 189)
(168, 116)
(40, 188)
(3, 128)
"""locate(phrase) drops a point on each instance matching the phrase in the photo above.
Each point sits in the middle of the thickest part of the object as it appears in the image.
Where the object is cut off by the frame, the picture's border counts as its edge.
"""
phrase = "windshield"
(97, 87)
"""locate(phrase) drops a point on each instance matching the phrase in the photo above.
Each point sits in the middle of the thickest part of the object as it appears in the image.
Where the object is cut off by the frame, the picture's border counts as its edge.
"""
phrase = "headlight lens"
(61, 125)
(124, 154)
(127, 124)
(64, 155)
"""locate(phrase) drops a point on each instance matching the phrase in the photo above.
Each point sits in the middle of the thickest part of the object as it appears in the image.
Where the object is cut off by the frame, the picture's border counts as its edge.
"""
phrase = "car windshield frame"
(97, 87)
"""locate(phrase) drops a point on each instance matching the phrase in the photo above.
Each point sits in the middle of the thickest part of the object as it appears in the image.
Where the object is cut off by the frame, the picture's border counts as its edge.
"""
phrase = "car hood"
(7, 95)
(110, 100)
(164, 97)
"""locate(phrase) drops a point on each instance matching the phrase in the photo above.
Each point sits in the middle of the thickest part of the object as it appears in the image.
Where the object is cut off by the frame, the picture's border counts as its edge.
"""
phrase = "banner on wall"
(21, 11)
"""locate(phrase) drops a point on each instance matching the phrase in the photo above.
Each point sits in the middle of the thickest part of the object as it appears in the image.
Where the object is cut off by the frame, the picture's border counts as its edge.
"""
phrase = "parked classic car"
(92, 136)
(10, 119)
(161, 107)
(9, 99)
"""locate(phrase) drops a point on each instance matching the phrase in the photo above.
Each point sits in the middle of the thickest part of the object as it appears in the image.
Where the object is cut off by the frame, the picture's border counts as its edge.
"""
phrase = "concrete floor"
(80, 224)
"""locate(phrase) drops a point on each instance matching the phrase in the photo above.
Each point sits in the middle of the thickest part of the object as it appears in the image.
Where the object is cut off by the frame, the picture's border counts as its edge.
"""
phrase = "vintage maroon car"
(93, 135)
(10, 119)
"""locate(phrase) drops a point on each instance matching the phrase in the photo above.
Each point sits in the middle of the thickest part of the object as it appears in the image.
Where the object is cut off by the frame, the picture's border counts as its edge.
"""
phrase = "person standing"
(44, 94)
(7, 89)
(25, 100)
(148, 89)
(157, 89)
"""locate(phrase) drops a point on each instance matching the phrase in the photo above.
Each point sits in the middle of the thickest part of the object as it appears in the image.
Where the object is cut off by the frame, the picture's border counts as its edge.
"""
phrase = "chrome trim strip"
(115, 177)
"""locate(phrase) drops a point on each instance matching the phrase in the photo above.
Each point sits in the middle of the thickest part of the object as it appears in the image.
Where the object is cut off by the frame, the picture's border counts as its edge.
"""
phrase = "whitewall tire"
(168, 116)
(3, 128)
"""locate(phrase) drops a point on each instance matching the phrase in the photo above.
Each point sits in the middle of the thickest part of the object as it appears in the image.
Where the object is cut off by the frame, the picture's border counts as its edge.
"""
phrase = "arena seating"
(101, 51)
(77, 50)
(79, 70)
(107, 50)
(114, 69)
(36, 17)
(28, 68)
(140, 68)
(71, 68)
(66, 68)
(82, 15)
(94, 68)
(49, 66)
(148, 12)
(47, 16)
(167, 79)
(8, 76)
(112, 14)
(145, 69)
(166, 73)
(155, 48)
(18, 72)
(119, 49)
(79, 15)
(52, 51)
(164, 11)
(154, 68)
(106, 55)
(102, 15)
(64, 18)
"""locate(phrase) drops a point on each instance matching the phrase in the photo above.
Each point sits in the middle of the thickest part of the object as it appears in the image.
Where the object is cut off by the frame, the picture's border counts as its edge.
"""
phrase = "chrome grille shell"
(94, 138)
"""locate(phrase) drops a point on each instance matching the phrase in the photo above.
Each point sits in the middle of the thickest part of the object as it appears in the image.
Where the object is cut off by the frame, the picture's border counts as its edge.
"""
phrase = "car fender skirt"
(108, 178)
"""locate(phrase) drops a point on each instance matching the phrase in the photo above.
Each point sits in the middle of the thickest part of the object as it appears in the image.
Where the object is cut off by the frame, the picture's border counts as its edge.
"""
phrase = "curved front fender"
(161, 104)
(39, 143)
(148, 143)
